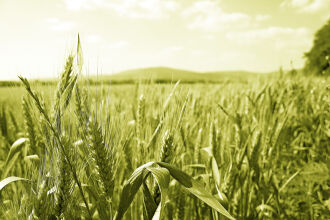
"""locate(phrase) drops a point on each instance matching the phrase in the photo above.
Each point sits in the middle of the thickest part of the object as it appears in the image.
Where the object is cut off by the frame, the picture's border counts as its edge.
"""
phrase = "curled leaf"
(10, 179)
(130, 189)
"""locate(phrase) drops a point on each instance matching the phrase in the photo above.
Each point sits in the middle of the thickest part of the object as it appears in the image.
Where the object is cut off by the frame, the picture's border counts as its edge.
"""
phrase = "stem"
(57, 136)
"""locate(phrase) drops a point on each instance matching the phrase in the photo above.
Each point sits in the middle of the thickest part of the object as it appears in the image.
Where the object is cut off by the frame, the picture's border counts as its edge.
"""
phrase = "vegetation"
(157, 75)
(318, 58)
(146, 151)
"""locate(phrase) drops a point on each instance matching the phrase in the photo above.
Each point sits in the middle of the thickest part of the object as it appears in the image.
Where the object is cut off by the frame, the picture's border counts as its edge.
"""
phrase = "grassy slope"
(164, 74)
(172, 74)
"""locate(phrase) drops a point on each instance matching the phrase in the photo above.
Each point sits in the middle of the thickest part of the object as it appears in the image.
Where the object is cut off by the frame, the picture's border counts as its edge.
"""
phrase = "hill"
(166, 74)
(158, 75)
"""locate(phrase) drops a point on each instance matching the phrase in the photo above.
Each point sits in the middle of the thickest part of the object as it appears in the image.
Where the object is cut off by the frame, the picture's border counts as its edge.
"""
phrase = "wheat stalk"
(55, 132)
(29, 127)
(166, 156)
(103, 159)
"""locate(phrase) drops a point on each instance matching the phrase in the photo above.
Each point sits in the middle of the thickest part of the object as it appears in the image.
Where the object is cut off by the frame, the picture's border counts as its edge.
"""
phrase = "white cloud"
(266, 33)
(118, 45)
(197, 52)
(146, 9)
(52, 20)
(56, 24)
(209, 16)
(209, 37)
(171, 50)
(307, 6)
(94, 39)
(281, 37)
(76, 5)
(271, 32)
(262, 17)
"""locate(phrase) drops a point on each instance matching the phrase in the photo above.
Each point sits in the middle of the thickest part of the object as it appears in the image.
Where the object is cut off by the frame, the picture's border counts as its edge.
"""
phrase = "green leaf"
(196, 189)
(196, 166)
(217, 178)
(16, 147)
(10, 179)
(9, 165)
(289, 180)
(261, 209)
(215, 171)
(32, 158)
(177, 174)
(13, 155)
(80, 59)
(149, 205)
(208, 150)
(130, 189)
(166, 104)
(162, 177)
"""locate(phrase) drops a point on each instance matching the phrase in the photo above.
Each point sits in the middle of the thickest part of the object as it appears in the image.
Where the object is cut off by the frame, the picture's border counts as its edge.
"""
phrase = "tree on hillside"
(318, 58)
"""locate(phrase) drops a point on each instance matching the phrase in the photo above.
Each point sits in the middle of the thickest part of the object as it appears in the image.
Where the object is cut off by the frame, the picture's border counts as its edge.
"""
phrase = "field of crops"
(256, 150)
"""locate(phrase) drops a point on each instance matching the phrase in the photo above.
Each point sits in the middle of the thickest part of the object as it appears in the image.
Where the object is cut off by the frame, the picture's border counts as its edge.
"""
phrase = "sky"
(36, 36)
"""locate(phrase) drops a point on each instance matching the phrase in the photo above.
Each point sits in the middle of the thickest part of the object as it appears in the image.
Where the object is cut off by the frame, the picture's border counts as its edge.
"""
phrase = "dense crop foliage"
(257, 150)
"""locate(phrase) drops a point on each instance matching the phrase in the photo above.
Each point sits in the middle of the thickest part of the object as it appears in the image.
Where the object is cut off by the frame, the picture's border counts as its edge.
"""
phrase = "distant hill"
(165, 74)
(158, 75)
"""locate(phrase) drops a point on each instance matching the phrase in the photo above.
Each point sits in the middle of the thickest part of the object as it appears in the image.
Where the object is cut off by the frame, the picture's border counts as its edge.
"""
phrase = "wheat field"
(234, 150)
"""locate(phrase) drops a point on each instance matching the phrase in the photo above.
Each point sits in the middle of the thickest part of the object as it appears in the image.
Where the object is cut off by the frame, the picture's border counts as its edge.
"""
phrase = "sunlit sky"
(253, 35)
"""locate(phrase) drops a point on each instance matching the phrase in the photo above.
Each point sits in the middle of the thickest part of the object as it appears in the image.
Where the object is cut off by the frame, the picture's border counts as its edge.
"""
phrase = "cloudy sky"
(254, 35)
